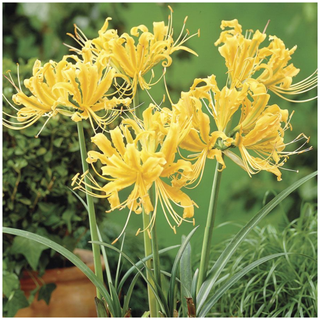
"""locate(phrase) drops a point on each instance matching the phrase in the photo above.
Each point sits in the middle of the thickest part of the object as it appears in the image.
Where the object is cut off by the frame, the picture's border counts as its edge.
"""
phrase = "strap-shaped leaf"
(175, 269)
(225, 256)
(140, 264)
(185, 277)
(70, 256)
(228, 284)
(160, 299)
(127, 297)
(101, 308)
(194, 286)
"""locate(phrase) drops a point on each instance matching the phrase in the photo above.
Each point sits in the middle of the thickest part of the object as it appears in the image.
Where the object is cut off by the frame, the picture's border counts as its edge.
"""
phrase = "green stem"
(155, 250)
(150, 245)
(90, 204)
(206, 244)
(148, 251)
(156, 258)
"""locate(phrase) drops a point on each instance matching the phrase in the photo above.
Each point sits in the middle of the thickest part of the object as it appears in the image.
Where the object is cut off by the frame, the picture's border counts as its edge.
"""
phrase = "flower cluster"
(145, 155)
(99, 81)
(243, 117)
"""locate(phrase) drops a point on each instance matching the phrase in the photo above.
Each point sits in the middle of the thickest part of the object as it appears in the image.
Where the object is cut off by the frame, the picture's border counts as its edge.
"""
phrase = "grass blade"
(127, 297)
(161, 301)
(106, 262)
(140, 264)
(225, 256)
(210, 302)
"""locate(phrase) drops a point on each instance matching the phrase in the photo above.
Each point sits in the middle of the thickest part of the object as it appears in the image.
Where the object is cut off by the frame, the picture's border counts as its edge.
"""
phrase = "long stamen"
(37, 135)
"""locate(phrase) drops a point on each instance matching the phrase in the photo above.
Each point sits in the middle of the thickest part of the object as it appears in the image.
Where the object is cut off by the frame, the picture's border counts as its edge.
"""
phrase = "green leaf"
(15, 302)
(10, 282)
(185, 277)
(174, 271)
(194, 286)
(115, 299)
(48, 156)
(225, 256)
(32, 294)
(127, 297)
(159, 299)
(57, 142)
(101, 309)
(41, 151)
(139, 264)
(46, 291)
(233, 280)
(29, 249)
(62, 171)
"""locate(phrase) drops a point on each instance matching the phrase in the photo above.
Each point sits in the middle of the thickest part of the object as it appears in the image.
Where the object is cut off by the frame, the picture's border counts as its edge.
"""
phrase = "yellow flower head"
(244, 57)
(135, 54)
(87, 89)
(140, 163)
(77, 90)
(43, 99)
(261, 131)
(200, 140)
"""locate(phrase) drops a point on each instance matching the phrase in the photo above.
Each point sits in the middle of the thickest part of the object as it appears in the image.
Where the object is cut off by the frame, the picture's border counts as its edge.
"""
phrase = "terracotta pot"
(73, 296)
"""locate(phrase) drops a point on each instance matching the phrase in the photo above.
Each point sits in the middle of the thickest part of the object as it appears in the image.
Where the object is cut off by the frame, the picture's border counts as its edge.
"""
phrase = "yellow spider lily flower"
(244, 58)
(240, 52)
(43, 99)
(77, 90)
(89, 84)
(134, 60)
(199, 139)
(140, 163)
(260, 131)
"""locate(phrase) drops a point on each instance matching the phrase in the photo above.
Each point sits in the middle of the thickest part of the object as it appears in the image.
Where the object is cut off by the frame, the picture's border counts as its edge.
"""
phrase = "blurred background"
(39, 30)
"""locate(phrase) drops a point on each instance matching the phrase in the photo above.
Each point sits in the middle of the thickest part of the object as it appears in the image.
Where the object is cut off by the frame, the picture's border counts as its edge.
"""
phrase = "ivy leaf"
(46, 291)
(10, 282)
(15, 302)
(28, 248)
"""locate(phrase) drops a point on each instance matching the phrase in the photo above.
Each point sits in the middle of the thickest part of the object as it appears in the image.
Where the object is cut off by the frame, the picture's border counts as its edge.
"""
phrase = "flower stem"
(147, 251)
(150, 245)
(91, 211)
(206, 244)
(155, 248)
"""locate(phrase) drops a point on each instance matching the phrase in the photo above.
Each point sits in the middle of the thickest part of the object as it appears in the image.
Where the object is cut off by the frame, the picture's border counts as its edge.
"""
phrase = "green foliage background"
(38, 30)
